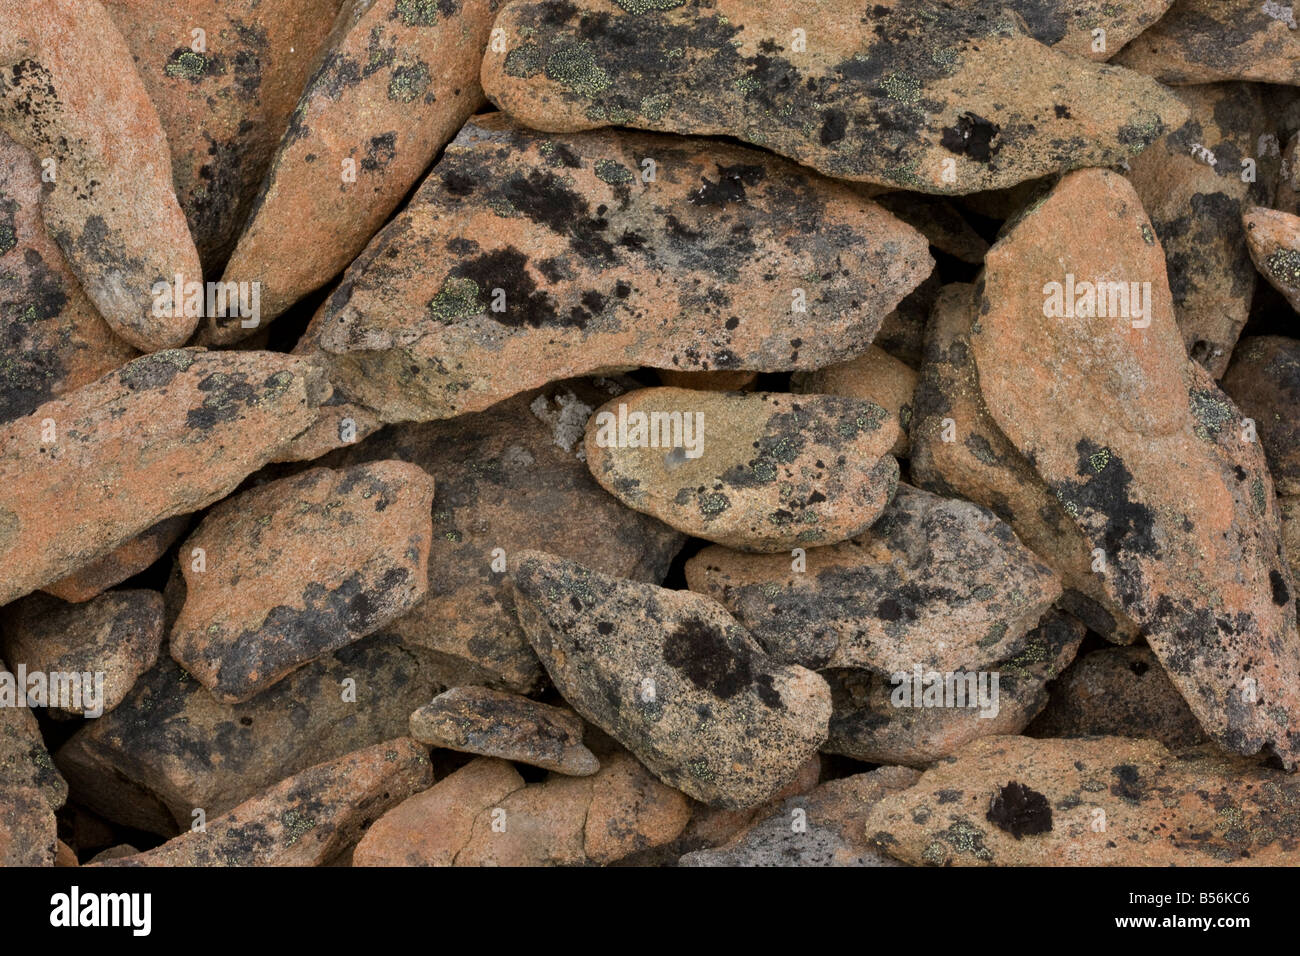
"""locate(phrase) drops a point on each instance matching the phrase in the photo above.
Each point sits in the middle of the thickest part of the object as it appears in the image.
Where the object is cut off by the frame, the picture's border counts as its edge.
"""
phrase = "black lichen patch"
(524, 304)
(1128, 783)
(730, 186)
(972, 136)
(1105, 493)
(186, 64)
(409, 82)
(708, 659)
(380, 151)
(1281, 593)
(545, 199)
(1020, 811)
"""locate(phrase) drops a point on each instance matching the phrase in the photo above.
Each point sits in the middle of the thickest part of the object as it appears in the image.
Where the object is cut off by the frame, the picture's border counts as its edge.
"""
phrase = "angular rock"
(171, 748)
(166, 434)
(874, 376)
(1071, 27)
(671, 676)
(124, 561)
(1103, 801)
(115, 638)
(757, 471)
(886, 97)
(223, 107)
(940, 583)
(1121, 692)
(51, 338)
(1205, 41)
(69, 94)
(397, 81)
(1264, 382)
(306, 820)
(1146, 455)
(822, 828)
(1273, 239)
(939, 221)
(508, 479)
(297, 568)
(881, 719)
(902, 332)
(31, 789)
(493, 723)
(581, 249)
(1190, 184)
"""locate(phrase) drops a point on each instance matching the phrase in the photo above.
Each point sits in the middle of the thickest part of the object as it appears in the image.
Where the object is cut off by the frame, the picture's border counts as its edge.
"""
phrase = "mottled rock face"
(51, 338)
(508, 479)
(224, 105)
(757, 471)
(525, 258)
(295, 569)
(64, 67)
(1108, 801)
(166, 434)
(1191, 185)
(494, 723)
(1162, 484)
(1204, 41)
(874, 376)
(938, 583)
(1264, 381)
(305, 820)
(121, 563)
(672, 677)
(939, 221)
(1273, 239)
(1094, 28)
(396, 82)
(112, 639)
(919, 95)
(30, 788)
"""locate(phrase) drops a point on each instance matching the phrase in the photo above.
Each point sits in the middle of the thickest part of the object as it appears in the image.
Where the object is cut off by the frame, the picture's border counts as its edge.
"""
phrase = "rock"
(708, 381)
(125, 561)
(493, 723)
(939, 221)
(958, 451)
(1264, 382)
(108, 642)
(171, 748)
(1071, 27)
(874, 376)
(758, 471)
(902, 332)
(697, 270)
(225, 105)
(1287, 198)
(1190, 184)
(397, 81)
(508, 479)
(306, 820)
(917, 717)
(1145, 454)
(1121, 692)
(51, 338)
(822, 828)
(64, 855)
(1101, 801)
(672, 677)
(164, 435)
(64, 70)
(885, 98)
(113, 853)
(1290, 509)
(939, 583)
(1273, 239)
(299, 567)
(1205, 41)
(30, 788)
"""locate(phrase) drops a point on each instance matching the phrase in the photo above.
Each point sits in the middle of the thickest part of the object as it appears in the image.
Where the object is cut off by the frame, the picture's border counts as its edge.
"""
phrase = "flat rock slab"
(526, 258)
(874, 376)
(125, 561)
(397, 80)
(671, 676)
(51, 338)
(757, 471)
(114, 639)
(31, 789)
(1146, 455)
(306, 820)
(1103, 801)
(937, 583)
(494, 723)
(1273, 239)
(171, 748)
(166, 434)
(69, 93)
(926, 96)
(297, 568)
(1264, 381)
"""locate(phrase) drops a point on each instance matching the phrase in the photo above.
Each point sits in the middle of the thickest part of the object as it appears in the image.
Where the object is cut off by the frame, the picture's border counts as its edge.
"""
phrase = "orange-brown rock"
(708, 381)
(124, 561)
(874, 376)
(940, 222)
(1273, 239)
(1264, 381)
(30, 788)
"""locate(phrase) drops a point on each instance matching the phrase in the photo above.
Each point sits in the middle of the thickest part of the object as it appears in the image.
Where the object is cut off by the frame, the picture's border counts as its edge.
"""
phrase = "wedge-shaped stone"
(672, 677)
(1273, 239)
(1145, 454)
(524, 258)
(70, 94)
(874, 376)
(758, 471)
(1264, 381)
(166, 434)
(125, 561)
(1102, 801)
(30, 788)
(937, 583)
(921, 95)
